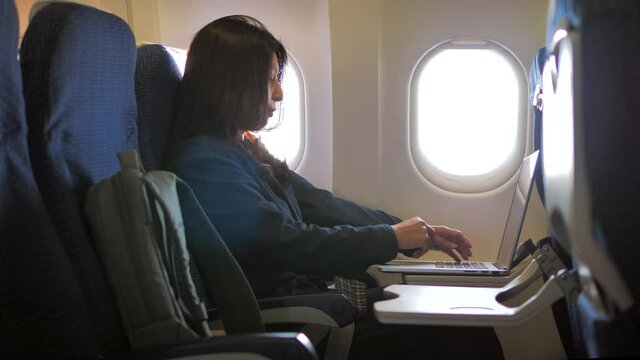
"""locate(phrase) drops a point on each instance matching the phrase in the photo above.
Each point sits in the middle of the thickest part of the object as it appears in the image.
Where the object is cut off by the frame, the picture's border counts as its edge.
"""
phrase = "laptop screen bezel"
(517, 212)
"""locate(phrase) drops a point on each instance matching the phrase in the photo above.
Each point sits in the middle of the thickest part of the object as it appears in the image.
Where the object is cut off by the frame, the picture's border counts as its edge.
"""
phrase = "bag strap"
(223, 278)
(162, 190)
(129, 160)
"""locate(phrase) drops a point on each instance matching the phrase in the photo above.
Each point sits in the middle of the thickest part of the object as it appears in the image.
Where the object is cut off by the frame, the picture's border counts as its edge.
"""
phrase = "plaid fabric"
(354, 290)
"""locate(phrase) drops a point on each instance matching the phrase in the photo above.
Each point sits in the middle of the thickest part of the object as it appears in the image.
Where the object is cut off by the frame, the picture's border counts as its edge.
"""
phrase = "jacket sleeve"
(261, 235)
(321, 207)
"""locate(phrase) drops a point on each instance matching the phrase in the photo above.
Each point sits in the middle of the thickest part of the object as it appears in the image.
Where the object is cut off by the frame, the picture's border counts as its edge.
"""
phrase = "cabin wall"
(23, 7)
(375, 47)
(357, 58)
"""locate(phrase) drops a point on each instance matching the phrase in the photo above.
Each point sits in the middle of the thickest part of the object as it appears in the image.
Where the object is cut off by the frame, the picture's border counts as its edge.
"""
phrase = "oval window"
(468, 115)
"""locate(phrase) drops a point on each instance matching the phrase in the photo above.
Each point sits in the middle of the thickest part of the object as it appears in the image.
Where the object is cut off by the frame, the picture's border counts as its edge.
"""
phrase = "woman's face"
(275, 88)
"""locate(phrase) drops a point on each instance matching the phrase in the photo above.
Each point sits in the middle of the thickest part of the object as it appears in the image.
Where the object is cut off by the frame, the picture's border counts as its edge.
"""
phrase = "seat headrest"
(157, 84)
(78, 66)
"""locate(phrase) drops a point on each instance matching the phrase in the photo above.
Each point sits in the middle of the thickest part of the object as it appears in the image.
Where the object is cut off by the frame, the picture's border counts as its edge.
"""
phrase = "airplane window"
(468, 115)
(179, 56)
(284, 134)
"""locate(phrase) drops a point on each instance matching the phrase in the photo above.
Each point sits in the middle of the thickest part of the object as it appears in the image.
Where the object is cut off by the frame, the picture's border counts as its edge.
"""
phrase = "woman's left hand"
(450, 241)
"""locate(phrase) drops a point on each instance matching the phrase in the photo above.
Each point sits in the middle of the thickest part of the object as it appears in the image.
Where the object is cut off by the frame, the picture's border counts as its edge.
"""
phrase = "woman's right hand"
(416, 234)
(413, 233)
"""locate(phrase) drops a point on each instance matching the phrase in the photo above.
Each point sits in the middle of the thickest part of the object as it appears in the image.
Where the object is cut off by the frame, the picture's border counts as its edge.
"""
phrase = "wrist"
(431, 237)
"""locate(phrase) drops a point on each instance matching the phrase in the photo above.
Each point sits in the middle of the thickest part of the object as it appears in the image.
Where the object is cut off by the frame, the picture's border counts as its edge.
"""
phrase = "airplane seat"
(43, 311)
(591, 167)
(563, 310)
(78, 67)
(157, 81)
(78, 64)
(536, 101)
(611, 109)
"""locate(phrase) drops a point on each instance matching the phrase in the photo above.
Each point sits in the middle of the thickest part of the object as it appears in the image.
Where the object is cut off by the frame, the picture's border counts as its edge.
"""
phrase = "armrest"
(322, 309)
(259, 346)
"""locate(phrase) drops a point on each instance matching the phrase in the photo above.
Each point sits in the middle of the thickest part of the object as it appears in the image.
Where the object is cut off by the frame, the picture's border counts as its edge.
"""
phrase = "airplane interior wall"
(375, 47)
(357, 58)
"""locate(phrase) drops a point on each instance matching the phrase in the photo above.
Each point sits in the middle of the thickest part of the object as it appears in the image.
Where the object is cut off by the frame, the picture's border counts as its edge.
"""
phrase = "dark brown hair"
(225, 85)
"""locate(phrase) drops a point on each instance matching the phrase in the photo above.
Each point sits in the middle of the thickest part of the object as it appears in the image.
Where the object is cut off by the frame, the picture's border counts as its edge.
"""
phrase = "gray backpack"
(142, 239)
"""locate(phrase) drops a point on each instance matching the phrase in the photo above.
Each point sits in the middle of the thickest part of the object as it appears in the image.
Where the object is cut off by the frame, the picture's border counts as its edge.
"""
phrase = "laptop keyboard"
(462, 265)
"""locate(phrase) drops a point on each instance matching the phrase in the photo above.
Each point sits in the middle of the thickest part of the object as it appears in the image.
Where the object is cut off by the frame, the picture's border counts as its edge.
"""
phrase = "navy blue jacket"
(284, 235)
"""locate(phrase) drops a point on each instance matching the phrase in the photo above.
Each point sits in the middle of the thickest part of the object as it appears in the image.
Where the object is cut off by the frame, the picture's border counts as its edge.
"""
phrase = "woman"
(288, 236)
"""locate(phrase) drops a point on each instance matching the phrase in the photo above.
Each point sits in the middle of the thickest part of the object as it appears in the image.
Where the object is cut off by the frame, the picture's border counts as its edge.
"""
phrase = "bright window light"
(468, 117)
(179, 56)
(286, 140)
(467, 107)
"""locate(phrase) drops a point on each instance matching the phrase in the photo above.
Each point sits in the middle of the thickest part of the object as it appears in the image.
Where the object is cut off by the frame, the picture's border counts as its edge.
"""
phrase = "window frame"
(469, 183)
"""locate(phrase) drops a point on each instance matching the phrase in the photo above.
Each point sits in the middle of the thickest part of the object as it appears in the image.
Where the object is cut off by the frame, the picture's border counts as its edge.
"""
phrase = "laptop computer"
(510, 237)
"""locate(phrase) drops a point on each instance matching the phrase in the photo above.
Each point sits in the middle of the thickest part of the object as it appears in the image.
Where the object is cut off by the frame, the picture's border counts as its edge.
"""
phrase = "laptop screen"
(515, 219)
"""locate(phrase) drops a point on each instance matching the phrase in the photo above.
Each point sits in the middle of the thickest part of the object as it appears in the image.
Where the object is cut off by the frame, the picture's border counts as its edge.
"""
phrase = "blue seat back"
(611, 82)
(78, 67)
(43, 311)
(157, 84)
(601, 219)
(611, 111)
